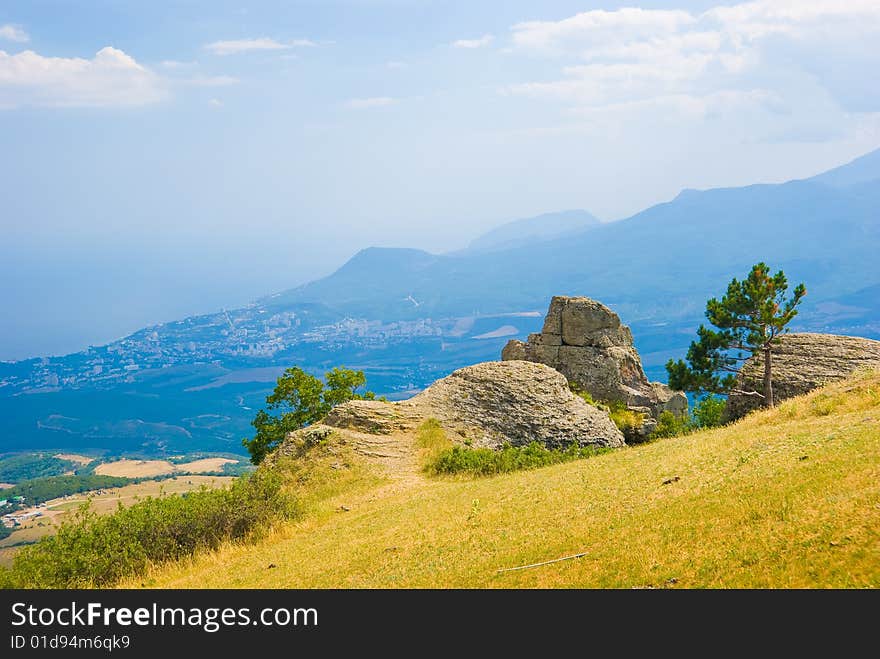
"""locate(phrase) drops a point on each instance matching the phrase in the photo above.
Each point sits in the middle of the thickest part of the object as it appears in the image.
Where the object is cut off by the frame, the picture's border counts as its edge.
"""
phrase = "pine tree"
(750, 318)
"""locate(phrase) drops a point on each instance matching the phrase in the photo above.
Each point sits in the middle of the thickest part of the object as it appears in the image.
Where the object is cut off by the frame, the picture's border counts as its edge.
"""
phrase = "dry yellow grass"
(203, 465)
(785, 498)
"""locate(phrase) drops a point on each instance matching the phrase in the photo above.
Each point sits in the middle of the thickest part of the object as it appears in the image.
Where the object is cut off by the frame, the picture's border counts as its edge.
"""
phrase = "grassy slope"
(785, 498)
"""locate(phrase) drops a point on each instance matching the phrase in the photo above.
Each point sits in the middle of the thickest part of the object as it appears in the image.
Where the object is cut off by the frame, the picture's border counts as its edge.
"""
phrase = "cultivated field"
(148, 468)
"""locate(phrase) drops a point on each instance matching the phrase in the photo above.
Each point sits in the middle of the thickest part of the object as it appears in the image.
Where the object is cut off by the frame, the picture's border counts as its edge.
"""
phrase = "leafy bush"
(627, 421)
(486, 462)
(95, 551)
(670, 425)
(298, 400)
(708, 411)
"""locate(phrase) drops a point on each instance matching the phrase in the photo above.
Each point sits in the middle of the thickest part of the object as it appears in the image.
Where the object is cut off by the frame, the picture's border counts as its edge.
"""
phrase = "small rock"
(343, 509)
(271, 566)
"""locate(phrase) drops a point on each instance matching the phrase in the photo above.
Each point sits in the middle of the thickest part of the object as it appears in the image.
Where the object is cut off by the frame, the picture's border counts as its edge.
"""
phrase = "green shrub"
(670, 425)
(486, 462)
(627, 421)
(95, 551)
(708, 411)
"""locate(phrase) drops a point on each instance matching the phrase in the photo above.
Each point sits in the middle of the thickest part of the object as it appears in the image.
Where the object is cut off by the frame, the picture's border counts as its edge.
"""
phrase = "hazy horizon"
(164, 161)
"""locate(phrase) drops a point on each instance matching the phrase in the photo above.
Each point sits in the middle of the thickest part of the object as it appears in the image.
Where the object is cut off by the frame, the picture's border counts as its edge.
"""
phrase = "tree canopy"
(300, 399)
(749, 319)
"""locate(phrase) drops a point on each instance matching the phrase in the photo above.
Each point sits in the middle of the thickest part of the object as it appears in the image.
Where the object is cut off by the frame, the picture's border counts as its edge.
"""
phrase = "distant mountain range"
(407, 316)
(525, 232)
(660, 263)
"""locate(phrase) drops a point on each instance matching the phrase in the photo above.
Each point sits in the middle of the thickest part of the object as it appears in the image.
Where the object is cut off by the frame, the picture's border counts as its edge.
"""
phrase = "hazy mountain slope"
(662, 260)
(860, 170)
(530, 230)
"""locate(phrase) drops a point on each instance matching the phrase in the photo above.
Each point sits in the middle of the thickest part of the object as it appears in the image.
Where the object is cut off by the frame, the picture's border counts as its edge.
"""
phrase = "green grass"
(489, 462)
(785, 498)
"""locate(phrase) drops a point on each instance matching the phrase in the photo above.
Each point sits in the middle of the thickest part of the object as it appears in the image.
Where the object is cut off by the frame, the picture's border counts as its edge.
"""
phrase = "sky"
(162, 159)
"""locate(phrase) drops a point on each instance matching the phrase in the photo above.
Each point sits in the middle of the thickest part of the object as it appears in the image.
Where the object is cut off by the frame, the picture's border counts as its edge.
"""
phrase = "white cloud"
(395, 64)
(793, 17)
(481, 42)
(215, 103)
(598, 26)
(13, 33)
(110, 79)
(236, 46)
(366, 103)
(633, 55)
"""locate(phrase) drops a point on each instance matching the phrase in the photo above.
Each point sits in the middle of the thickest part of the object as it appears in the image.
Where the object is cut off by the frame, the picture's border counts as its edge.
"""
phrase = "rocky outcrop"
(586, 342)
(490, 404)
(514, 402)
(801, 363)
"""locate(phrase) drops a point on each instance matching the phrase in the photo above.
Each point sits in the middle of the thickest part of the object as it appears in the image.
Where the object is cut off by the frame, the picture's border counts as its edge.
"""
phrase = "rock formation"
(586, 342)
(801, 363)
(491, 404)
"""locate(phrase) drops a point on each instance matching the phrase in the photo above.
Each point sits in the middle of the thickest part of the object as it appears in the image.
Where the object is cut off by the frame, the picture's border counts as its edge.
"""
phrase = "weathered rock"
(515, 402)
(370, 416)
(801, 363)
(586, 342)
(492, 403)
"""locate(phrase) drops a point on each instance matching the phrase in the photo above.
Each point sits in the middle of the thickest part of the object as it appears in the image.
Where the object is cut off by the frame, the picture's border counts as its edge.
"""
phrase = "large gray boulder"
(490, 404)
(586, 342)
(515, 402)
(801, 363)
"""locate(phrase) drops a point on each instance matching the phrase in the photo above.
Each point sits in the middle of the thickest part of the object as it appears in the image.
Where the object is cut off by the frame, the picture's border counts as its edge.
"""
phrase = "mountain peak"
(547, 226)
(385, 257)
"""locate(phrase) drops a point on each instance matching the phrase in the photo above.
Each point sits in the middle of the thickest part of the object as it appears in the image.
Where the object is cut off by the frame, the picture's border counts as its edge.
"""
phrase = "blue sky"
(159, 159)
